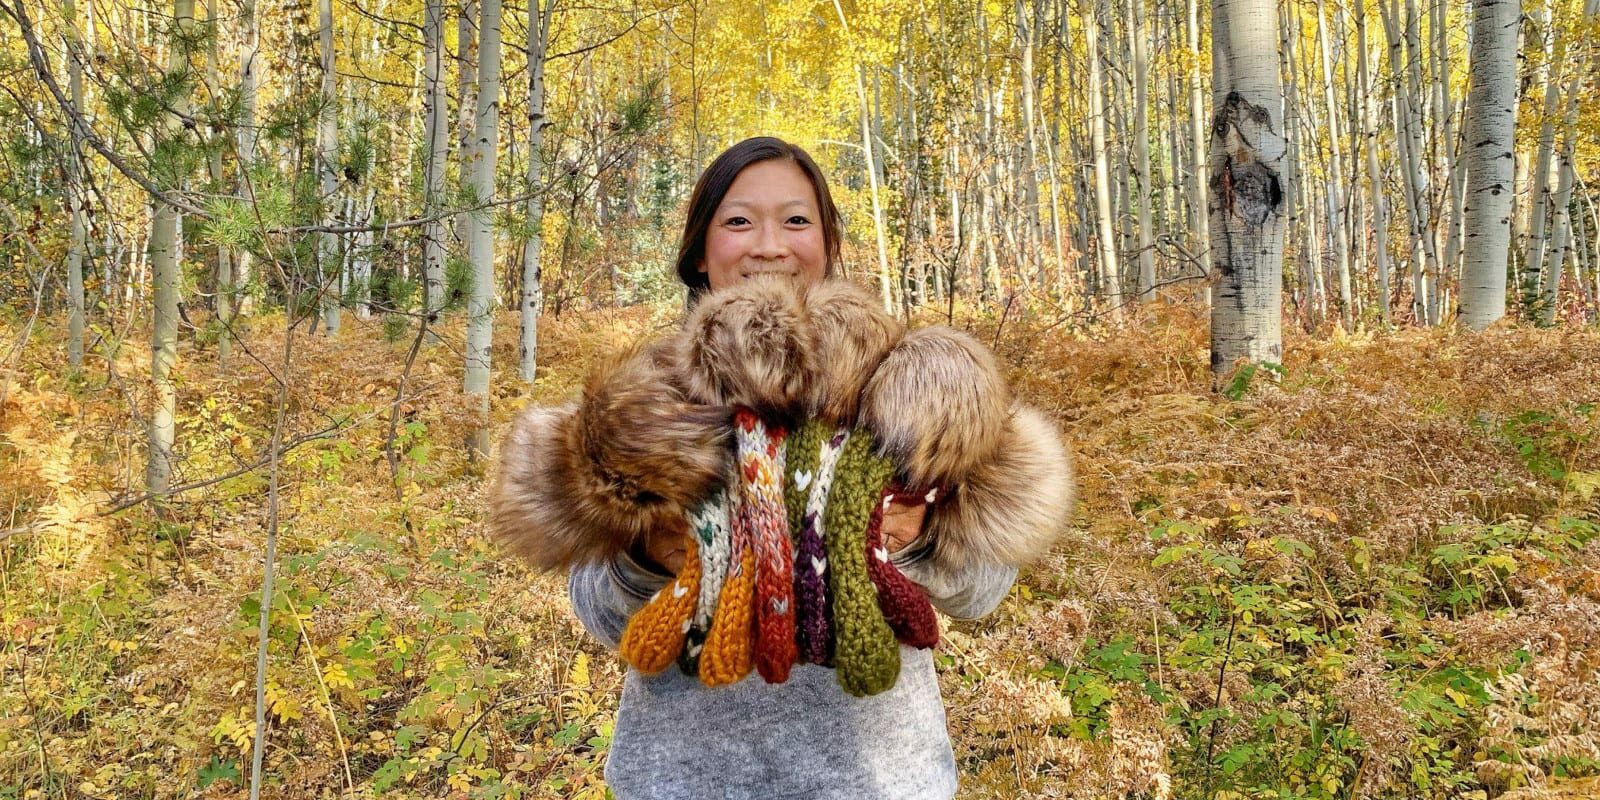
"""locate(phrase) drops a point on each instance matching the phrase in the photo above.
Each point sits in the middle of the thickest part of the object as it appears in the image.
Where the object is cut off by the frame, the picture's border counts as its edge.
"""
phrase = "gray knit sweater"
(676, 739)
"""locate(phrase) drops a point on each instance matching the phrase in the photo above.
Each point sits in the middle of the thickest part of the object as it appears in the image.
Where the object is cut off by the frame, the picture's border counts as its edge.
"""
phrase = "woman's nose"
(769, 243)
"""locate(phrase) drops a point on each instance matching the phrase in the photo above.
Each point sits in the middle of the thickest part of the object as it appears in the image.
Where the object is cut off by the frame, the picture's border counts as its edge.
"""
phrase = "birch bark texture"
(438, 139)
(329, 268)
(1491, 117)
(1197, 144)
(165, 258)
(246, 136)
(480, 238)
(532, 290)
(75, 194)
(1247, 158)
(1562, 235)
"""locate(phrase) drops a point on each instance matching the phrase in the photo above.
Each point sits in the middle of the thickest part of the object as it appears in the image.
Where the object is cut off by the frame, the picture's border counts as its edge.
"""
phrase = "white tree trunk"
(1539, 179)
(1198, 147)
(438, 141)
(75, 194)
(1338, 234)
(1141, 148)
(1448, 144)
(361, 258)
(1379, 204)
(330, 276)
(1491, 117)
(466, 98)
(885, 284)
(223, 302)
(1110, 278)
(249, 61)
(1561, 237)
(480, 239)
(1247, 150)
(165, 259)
(532, 290)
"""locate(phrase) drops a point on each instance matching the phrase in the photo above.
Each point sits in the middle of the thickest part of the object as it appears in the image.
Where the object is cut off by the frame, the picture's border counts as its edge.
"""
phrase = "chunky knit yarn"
(708, 525)
(730, 643)
(905, 606)
(761, 459)
(813, 632)
(654, 636)
(865, 656)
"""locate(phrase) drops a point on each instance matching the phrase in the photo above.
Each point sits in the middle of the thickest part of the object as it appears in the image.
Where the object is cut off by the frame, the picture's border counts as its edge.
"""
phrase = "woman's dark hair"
(713, 186)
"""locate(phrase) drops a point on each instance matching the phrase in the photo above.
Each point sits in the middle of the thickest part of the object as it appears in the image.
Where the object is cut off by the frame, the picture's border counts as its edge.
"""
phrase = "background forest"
(1310, 286)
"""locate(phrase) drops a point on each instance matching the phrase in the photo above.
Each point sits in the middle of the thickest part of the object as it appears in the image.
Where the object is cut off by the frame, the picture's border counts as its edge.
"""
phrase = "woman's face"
(768, 224)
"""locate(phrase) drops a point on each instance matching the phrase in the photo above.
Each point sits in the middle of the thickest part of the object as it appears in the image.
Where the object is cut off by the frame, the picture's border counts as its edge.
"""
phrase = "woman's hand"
(902, 522)
(665, 547)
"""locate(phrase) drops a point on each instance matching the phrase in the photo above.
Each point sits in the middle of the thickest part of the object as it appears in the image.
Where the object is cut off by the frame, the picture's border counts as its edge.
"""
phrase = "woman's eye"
(798, 220)
(736, 221)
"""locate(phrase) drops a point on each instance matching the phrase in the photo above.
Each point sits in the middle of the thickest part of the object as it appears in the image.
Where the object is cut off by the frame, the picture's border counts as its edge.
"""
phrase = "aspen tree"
(75, 193)
(245, 140)
(330, 277)
(1369, 134)
(1110, 280)
(1491, 116)
(1338, 234)
(1141, 148)
(224, 267)
(1198, 147)
(1247, 151)
(166, 257)
(532, 305)
(480, 241)
(437, 136)
(1539, 179)
(1561, 237)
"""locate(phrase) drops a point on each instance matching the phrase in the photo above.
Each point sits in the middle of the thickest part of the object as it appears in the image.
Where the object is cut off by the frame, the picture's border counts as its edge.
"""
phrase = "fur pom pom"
(749, 345)
(851, 334)
(1011, 508)
(580, 482)
(937, 405)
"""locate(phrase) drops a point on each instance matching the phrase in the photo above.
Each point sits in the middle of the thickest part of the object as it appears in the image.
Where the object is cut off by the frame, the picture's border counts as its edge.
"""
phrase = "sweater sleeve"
(605, 594)
(970, 591)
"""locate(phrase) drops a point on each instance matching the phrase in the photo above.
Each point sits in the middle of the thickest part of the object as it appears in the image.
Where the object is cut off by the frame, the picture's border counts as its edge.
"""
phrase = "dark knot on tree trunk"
(1241, 182)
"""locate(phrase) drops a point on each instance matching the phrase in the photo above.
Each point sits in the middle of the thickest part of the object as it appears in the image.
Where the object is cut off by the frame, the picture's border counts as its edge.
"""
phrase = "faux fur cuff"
(1011, 507)
(938, 405)
(580, 482)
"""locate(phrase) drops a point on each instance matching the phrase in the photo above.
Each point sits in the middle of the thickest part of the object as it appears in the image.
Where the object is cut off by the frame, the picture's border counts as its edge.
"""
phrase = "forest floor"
(1376, 574)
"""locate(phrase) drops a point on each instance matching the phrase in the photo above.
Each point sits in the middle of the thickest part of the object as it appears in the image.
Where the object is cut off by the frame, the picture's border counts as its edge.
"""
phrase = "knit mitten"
(866, 656)
(730, 644)
(654, 636)
(761, 457)
(813, 451)
(905, 606)
(708, 524)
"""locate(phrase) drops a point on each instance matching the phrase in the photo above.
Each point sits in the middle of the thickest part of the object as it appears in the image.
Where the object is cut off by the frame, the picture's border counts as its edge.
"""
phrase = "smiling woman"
(762, 206)
(611, 485)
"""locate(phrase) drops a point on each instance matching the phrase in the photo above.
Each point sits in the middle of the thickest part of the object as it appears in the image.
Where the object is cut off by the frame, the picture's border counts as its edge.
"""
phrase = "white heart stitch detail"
(819, 564)
(679, 590)
(882, 554)
(802, 479)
